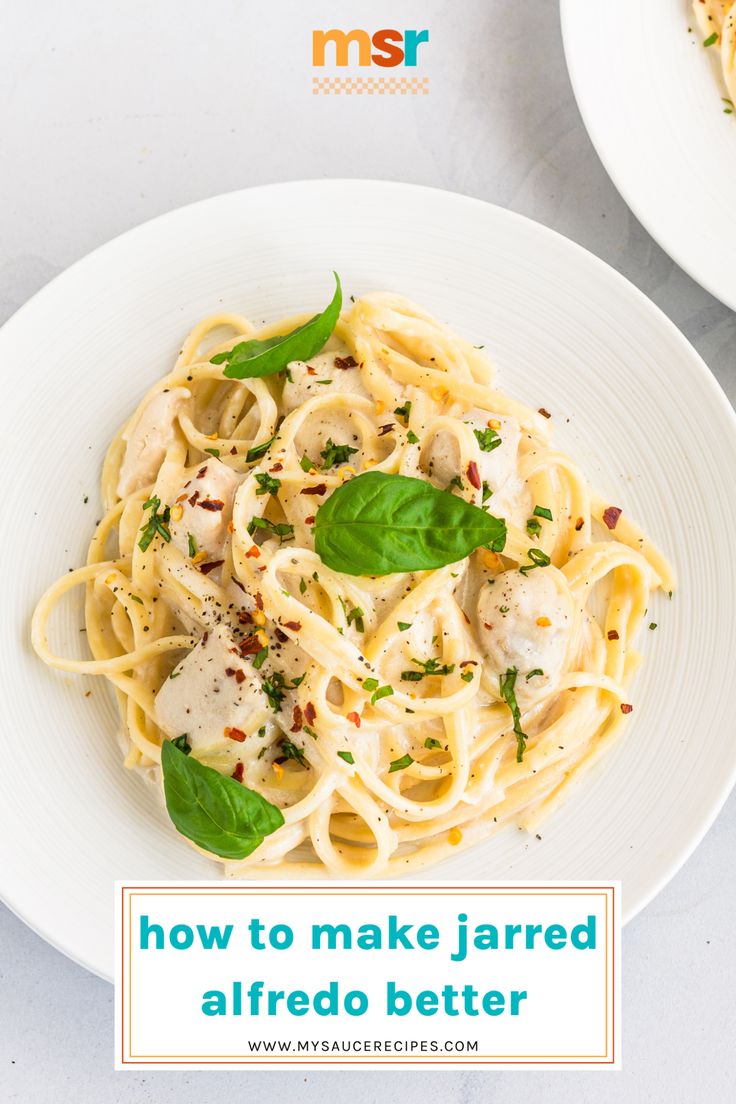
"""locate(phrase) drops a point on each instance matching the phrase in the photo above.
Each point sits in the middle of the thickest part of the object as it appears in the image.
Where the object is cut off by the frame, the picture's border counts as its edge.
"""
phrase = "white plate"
(631, 400)
(650, 97)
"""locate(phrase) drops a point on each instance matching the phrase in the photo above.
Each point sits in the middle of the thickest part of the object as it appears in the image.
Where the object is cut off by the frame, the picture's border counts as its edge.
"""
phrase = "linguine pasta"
(390, 718)
(716, 20)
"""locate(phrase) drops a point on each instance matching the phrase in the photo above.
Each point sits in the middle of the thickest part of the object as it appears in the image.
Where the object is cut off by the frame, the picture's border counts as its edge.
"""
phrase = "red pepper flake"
(244, 618)
(212, 504)
(310, 713)
(201, 472)
(318, 489)
(293, 625)
(259, 600)
(277, 468)
(193, 499)
(473, 475)
(205, 568)
(345, 362)
(486, 625)
(229, 671)
(236, 734)
(238, 772)
(233, 451)
(611, 514)
(579, 525)
(181, 498)
(544, 413)
(386, 429)
(355, 718)
(612, 634)
(253, 552)
(239, 676)
(298, 719)
(626, 708)
(311, 371)
(309, 520)
(249, 645)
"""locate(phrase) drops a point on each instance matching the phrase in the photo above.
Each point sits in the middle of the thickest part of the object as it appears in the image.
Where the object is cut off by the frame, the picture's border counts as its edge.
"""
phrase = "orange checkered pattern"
(370, 86)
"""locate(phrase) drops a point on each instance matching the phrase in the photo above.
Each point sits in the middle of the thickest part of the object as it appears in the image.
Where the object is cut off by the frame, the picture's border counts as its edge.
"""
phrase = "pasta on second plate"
(716, 21)
(352, 602)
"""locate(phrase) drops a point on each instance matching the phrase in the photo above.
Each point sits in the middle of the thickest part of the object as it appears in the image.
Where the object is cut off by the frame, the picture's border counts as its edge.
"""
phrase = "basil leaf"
(264, 358)
(213, 811)
(377, 524)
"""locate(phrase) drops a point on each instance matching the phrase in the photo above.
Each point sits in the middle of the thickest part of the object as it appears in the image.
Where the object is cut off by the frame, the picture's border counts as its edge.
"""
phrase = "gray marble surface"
(112, 113)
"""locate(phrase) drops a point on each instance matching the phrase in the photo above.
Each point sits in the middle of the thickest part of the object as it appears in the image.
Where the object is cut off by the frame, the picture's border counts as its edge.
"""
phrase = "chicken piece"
(206, 510)
(214, 697)
(498, 450)
(304, 383)
(526, 622)
(148, 439)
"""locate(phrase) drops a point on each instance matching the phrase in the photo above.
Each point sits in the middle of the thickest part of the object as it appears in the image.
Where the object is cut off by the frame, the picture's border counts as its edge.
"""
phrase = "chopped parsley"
(381, 692)
(333, 454)
(467, 676)
(456, 481)
(506, 684)
(370, 684)
(543, 512)
(347, 756)
(302, 586)
(400, 764)
(258, 451)
(536, 671)
(428, 667)
(306, 464)
(290, 750)
(192, 546)
(404, 625)
(259, 658)
(213, 451)
(432, 745)
(412, 437)
(487, 492)
(275, 690)
(652, 624)
(279, 529)
(488, 439)
(538, 558)
(356, 617)
(711, 39)
(404, 411)
(267, 484)
(158, 523)
(533, 527)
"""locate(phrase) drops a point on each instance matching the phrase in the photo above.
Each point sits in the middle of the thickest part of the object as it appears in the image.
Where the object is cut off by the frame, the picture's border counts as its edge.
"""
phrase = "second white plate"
(650, 97)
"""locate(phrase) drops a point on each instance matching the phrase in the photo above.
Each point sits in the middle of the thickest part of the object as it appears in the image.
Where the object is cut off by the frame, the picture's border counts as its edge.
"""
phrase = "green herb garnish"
(212, 810)
(256, 358)
(543, 512)
(538, 558)
(506, 684)
(378, 524)
(488, 439)
(347, 756)
(432, 745)
(403, 411)
(267, 484)
(182, 743)
(400, 764)
(279, 529)
(259, 451)
(381, 692)
(158, 523)
(333, 454)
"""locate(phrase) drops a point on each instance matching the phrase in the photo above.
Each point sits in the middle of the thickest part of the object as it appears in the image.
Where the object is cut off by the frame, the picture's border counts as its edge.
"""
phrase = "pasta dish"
(716, 20)
(356, 609)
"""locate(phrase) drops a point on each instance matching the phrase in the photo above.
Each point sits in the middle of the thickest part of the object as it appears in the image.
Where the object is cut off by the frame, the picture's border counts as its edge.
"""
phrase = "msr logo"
(387, 48)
